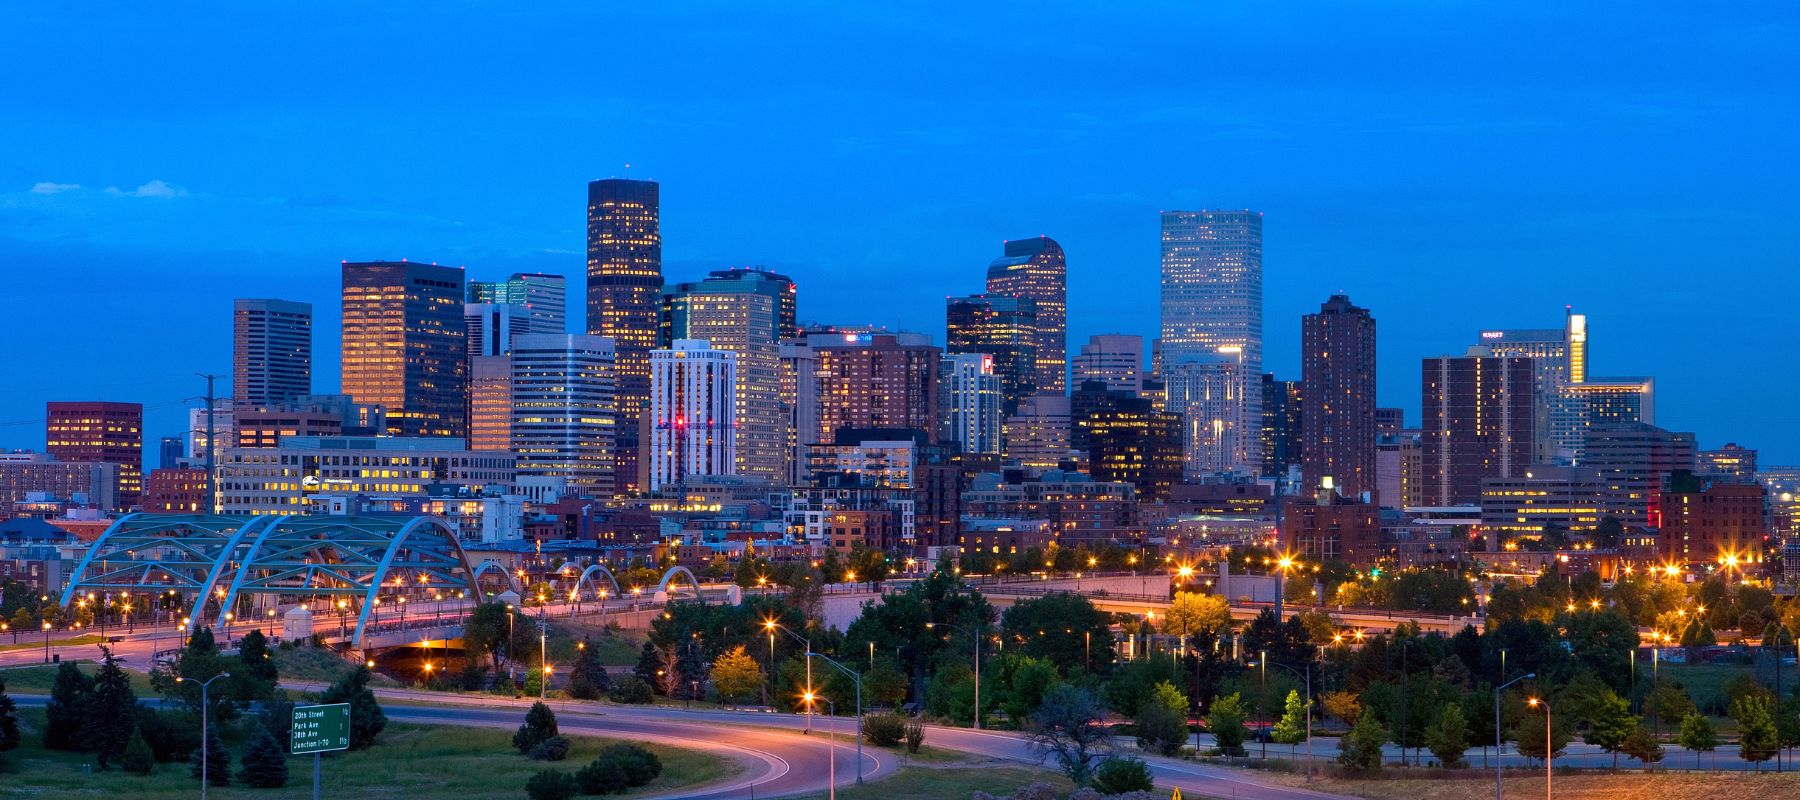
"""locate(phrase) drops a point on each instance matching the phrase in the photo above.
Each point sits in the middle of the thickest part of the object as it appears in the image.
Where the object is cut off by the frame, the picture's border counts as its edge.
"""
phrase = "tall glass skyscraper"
(545, 298)
(404, 345)
(562, 409)
(1035, 269)
(624, 279)
(1004, 328)
(1212, 296)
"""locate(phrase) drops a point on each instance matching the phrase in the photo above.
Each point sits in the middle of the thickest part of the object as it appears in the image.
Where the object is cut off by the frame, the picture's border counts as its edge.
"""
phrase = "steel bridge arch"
(158, 553)
(670, 576)
(600, 568)
(491, 565)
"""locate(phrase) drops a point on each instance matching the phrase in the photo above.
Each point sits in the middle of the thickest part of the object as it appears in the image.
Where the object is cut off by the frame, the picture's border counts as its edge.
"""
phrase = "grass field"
(950, 782)
(314, 664)
(407, 761)
(1625, 785)
(38, 679)
(27, 644)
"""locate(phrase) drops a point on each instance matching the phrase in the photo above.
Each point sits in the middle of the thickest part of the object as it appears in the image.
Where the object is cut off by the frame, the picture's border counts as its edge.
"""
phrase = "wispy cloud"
(47, 187)
(155, 189)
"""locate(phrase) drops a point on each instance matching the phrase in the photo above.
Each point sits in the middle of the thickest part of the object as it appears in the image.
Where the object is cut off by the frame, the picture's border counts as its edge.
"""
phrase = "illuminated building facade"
(1337, 365)
(1115, 359)
(491, 402)
(1040, 436)
(285, 479)
(1559, 358)
(624, 279)
(1218, 435)
(743, 311)
(1129, 442)
(1600, 402)
(1036, 269)
(971, 395)
(111, 433)
(1636, 459)
(1479, 422)
(94, 483)
(1080, 509)
(1329, 527)
(1212, 292)
(876, 380)
(271, 351)
(491, 327)
(1731, 464)
(799, 405)
(1714, 522)
(404, 346)
(180, 490)
(562, 410)
(266, 427)
(1573, 499)
(544, 297)
(1281, 426)
(1004, 328)
(693, 408)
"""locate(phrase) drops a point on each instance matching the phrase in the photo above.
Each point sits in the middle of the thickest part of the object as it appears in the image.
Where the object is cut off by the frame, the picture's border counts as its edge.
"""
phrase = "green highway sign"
(318, 729)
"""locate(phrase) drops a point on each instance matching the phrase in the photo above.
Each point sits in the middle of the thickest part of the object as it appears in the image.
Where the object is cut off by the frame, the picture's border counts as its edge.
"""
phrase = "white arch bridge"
(386, 570)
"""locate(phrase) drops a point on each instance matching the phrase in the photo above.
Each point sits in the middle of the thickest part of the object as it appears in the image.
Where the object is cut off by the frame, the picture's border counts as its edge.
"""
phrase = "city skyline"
(1410, 227)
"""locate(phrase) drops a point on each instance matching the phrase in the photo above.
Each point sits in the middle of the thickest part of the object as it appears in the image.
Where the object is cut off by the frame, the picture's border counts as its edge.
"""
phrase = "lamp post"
(46, 641)
(1548, 750)
(771, 626)
(977, 666)
(831, 747)
(543, 656)
(204, 708)
(1498, 744)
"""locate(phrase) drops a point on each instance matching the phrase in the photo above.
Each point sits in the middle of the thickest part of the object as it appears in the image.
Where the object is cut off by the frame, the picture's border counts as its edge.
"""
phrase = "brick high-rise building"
(404, 345)
(111, 433)
(271, 351)
(1337, 365)
(1479, 422)
(624, 281)
(876, 380)
(1035, 269)
(1712, 521)
(1327, 527)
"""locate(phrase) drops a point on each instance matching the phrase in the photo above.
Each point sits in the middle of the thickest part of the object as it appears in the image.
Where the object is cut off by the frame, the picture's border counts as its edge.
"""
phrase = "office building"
(1327, 526)
(1281, 426)
(289, 478)
(1479, 422)
(1081, 510)
(1040, 435)
(624, 279)
(491, 327)
(1399, 469)
(491, 403)
(111, 433)
(1115, 359)
(1337, 364)
(404, 346)
(1035, 269)
(179, 490)
(82, 483)
(742, 311)
(1129, 442)
(1599, 402)
(219, 428)
(876, 380)
(1207, 392)
(562, 410)
(170, 451)
(693, 409)
(799, 405)
(1559, 358)
(1390, 421)
(1635, 460)
(1004, 328)
(271, 351)
(266, 427)
(544, 297)
(1719, 523)
(971, 394)
(1212, 293)
(1729, 464)
(1572, 499)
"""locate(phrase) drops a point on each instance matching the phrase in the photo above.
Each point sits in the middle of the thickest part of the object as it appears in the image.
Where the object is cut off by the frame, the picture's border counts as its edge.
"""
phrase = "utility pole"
(212, 468)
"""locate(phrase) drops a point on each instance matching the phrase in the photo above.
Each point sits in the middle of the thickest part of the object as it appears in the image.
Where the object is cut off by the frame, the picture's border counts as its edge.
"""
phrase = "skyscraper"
(1635, 460)
(693, 409)
(491, 327)
(1036, 269)
(970, 393)
(545, 298)
(799, 406)
(1115, 359)
(1559, 357)
(271, 351)
(1004, 328)
(1130, 442)
(100, 432)
(624, 271)
(1040, 436)
(1212, 294)
(742, 311)
(1337, 375)
(1478, 422)
(1281, 425)
(404, 345)
(562, 409)
(1218, 436)
(876, 380)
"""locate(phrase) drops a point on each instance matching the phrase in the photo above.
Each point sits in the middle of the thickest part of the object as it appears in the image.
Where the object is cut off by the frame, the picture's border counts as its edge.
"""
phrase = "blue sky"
(1451, 165)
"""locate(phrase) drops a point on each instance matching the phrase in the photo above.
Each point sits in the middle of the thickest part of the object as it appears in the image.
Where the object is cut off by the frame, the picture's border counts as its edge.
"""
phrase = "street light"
(771, 626)
(977, 666)
(831, 747)
(1308, 677)
(1498, 745)
(1548, 750)
(46, 641)
(204, 685)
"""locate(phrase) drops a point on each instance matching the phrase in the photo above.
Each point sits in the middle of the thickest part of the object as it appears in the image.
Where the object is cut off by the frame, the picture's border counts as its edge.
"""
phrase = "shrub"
(264, 763)
(915, 736)
(641, 766)
(1161, 729)
(885, 729)
(1117, 775)
(555, 748)
(552, 784)
(631, 689)
(603, 776)
(173, 736)
(137, 759)
(540, 724)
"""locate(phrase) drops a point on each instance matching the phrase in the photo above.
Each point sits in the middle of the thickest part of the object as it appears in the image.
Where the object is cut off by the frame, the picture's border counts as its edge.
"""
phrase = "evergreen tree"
(366, 718)
(264, 763)
(692, 666)
(110, 713)
(587, 678)
(68, 702)
(258, 672)
(540, 724)
(198, 662)
(1360, 750)
(138, 758)
(649, 664)
(217, 761)
(9, 720)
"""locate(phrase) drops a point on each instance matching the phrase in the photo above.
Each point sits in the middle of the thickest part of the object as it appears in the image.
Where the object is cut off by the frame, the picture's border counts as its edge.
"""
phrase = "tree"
(9, 720)
(1610, 722)
(258, 674)
(1529, 734)
(1117, 775)
(1161, 722)
(264, 763)
(199, 661)
(1190, 613)
(68, 703)
(1448, 736)
(1667, 703)
(1030, 680)
(1343, 705)
(218, 762)
(110, 713)
(1642, 745)
(1066, 726)
(1757, 737)
(138, 758)
(649, 664)
(1697, 734)
(540, 724)
(1135, 683)
(1063, 628)
(1226, 721)
(736, 674)
(552, 784)
(1360, 750)
(1290, 729)
(587, 678)
(366, 717)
